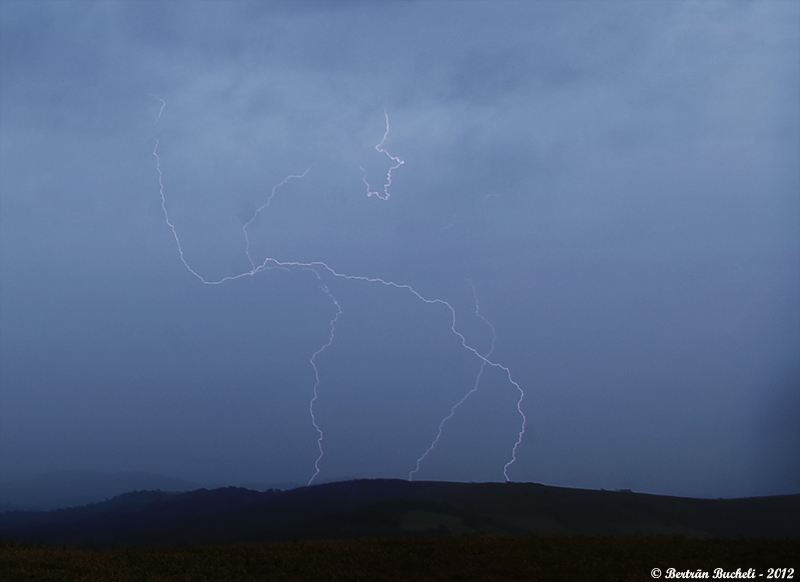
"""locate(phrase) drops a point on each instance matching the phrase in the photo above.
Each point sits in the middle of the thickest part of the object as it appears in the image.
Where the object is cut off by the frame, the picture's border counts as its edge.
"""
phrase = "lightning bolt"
(397, 161)
(313, 362)
(450, 416)
(163, 104)
(262, 207)
(320, 268)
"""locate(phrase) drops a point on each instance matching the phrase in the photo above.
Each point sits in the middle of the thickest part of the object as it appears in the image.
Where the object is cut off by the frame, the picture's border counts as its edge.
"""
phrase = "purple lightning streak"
(163, 104)
(484, 359)
(319, 268)
(255, 269)
(450, 416)
(521, 431)
(313, 363)
(262, 207)
(398, 162)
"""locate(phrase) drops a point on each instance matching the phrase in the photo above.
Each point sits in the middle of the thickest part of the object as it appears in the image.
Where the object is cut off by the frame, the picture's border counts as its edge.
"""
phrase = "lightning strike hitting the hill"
(450, 416)
(321, 269)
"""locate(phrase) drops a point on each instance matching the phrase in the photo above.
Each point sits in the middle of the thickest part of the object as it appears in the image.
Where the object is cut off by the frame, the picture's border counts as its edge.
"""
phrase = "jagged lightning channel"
(456, 406)
(319, 268)
(397, 161)
(313, 362)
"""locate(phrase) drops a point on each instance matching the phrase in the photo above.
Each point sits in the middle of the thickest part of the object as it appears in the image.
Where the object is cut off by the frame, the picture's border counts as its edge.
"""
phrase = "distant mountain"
(71, 488)
(396, 508)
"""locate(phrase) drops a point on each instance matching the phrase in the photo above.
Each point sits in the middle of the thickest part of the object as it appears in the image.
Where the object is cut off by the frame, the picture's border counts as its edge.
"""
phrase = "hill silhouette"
(60, 489)
(383, 508)
(69, 488)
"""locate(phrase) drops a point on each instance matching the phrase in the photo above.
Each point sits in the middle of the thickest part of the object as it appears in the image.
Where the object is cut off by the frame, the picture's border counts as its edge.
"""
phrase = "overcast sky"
(614, 187)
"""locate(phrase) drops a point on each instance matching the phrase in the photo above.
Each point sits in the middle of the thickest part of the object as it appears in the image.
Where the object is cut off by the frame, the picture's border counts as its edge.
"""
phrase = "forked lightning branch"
(322, 271)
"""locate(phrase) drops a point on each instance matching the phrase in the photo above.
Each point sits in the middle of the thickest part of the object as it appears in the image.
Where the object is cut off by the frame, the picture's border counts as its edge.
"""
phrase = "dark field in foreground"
(534, 558)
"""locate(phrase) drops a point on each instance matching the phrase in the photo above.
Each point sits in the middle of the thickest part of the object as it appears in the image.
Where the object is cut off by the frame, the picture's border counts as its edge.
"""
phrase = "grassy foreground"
(534, 558)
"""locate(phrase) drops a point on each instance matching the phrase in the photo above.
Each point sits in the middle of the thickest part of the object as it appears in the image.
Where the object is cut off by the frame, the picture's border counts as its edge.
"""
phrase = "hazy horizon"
(602, 199)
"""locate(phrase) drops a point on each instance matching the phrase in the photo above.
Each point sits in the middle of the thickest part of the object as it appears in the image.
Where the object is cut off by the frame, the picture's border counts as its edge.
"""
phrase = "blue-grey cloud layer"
(619, 181)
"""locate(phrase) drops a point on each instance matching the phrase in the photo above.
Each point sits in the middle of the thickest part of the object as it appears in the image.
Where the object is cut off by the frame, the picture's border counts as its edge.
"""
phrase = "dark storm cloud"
(618, 180)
